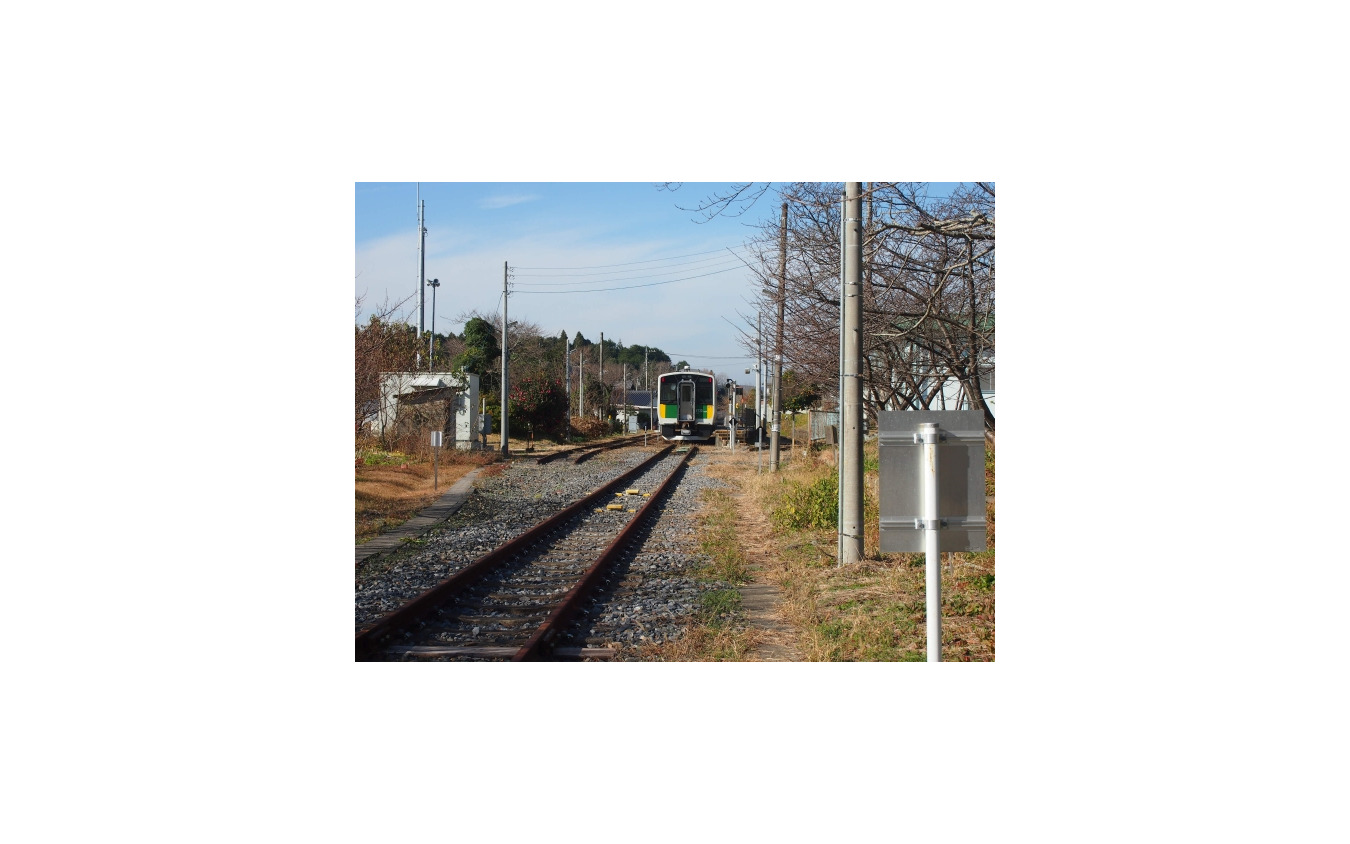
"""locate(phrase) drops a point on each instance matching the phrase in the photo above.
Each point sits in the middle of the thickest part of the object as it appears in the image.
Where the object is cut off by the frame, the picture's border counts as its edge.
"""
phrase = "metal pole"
(778, 345)
(851, 417)
(431, 335)
(928, 433)
(759, 394)
(839, 406)
(506, 381)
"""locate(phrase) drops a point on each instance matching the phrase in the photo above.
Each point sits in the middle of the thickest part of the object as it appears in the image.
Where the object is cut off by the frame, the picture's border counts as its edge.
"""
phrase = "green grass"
(719, 607)
(388, 458)
(806, 507)
(719, 542)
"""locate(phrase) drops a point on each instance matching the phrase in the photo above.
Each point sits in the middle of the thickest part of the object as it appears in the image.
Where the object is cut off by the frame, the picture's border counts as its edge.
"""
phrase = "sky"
(620, 258)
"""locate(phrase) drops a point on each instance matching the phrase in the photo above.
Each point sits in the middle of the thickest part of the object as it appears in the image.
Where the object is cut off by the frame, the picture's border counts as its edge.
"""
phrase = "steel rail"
(369, 638)
(572, 601)
(584, 451)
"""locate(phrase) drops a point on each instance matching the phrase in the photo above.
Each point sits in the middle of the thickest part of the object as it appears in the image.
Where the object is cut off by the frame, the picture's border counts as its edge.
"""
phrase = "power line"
(632, 278)
(620, 272)
(629, 264)
(630, 286)
(685, 356)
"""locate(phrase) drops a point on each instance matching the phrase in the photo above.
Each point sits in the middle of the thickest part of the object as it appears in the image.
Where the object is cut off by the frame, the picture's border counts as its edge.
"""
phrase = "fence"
(823, 425)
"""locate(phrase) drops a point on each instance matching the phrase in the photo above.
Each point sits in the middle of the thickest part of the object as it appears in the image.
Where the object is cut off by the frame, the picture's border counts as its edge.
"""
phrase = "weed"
(719, 606)
(807, 506)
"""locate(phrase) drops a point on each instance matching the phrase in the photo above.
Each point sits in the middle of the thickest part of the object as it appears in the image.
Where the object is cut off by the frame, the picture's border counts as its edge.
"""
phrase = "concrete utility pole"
(851, 454)
(421, 275)
(778, 345)
(421, 261)
(602, 363)
(506, 273)
(759, 395)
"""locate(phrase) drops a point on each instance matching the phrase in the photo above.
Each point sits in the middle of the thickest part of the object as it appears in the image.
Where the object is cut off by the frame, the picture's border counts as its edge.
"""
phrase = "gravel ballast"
(652, 593)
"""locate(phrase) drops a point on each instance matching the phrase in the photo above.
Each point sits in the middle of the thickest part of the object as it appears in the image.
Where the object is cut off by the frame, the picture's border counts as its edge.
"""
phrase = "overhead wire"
(621, 272)
(707, 266)
(629, 264)
(632, 286)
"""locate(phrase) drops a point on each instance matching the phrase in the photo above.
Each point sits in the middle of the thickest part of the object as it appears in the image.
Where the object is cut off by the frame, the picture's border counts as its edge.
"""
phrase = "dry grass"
(871, 611)
(705, 643)
(391, 487)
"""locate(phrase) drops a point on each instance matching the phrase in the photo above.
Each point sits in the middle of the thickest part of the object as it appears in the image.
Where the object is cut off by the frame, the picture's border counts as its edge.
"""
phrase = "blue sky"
(604, 236)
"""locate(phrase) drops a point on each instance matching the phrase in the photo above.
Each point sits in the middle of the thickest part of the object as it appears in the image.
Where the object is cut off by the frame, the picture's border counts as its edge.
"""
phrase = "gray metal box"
(960, 479)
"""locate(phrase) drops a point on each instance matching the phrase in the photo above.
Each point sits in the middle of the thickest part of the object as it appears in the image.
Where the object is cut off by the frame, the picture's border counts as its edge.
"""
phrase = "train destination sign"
(960, 480)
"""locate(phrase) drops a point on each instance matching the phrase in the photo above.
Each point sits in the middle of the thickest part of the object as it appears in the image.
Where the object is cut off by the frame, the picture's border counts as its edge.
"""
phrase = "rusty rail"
(572, 601)
(585, 451)
(369, 639)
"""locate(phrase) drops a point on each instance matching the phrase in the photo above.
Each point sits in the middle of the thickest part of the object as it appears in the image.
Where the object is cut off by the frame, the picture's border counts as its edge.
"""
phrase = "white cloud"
(504, 200)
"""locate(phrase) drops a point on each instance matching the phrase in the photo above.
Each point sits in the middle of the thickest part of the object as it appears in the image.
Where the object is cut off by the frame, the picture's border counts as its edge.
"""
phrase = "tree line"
(539, 399)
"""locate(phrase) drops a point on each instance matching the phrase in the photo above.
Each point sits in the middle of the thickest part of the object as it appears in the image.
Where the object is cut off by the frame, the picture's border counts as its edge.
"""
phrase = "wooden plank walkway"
(443, 509)
(760, 600)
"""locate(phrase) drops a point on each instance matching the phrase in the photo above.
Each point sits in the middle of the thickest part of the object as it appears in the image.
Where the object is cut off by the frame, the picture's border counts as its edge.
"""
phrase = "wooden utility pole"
(778, 345)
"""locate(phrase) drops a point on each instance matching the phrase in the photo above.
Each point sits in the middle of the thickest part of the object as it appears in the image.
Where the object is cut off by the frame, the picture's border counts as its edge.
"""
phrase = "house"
(413, 402)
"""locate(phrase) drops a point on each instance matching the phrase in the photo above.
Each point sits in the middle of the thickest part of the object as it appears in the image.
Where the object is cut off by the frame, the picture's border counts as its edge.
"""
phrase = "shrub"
(807, 506)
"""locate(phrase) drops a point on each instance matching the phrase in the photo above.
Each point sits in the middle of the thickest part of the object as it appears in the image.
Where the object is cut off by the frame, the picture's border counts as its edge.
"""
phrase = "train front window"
(668, 391)
(705, 391)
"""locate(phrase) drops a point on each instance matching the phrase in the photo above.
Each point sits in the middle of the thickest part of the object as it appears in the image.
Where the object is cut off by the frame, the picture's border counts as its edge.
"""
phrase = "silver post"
(928, 435)
(431, 336)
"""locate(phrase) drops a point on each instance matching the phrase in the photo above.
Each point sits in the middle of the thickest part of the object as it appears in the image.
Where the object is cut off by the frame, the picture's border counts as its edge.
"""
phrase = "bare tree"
(386, 343)
(928, 288)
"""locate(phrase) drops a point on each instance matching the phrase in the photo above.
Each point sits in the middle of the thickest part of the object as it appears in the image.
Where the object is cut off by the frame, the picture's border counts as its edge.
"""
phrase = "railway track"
(585, 452)
(516, 602)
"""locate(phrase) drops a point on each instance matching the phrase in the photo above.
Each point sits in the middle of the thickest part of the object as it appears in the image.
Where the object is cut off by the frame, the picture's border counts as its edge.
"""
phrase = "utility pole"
(431, 335)
(759, 395)
(421, 274)
(506, 273)
(421, 261)
(581, 387)
(851, 480)
(839, 395)
(778, 345)
(602, 365)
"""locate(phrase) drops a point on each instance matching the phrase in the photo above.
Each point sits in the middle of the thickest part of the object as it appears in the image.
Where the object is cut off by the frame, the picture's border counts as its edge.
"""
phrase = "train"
(687, 405)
